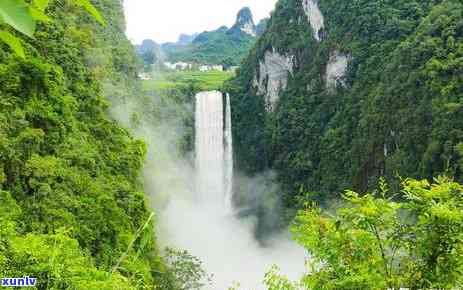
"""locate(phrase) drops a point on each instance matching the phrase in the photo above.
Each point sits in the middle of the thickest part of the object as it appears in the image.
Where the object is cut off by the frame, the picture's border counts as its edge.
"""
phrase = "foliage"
(187, 270)
(149, 57)
(213, 47)
(150, 53)
(375, 243)
(274, 281)
(13, 42)
(70, 181)
(23, 17)
(58, 262)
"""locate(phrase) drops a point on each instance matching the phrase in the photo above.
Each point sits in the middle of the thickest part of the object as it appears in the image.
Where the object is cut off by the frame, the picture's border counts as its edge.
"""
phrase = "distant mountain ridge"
(148, 45)
(185, 39)
(150, 52)
(225, 46)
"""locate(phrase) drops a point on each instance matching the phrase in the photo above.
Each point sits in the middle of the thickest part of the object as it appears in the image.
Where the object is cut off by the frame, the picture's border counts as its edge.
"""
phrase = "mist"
(225, 243)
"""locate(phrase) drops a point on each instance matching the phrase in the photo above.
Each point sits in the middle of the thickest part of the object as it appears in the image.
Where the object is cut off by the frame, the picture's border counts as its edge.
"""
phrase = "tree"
(187, 270)
(149, 57)
(22, 17)
(71, 199)
(375, 242)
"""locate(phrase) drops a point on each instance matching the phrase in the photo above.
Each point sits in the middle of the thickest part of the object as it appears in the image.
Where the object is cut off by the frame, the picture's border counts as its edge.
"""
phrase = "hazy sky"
(164, 20)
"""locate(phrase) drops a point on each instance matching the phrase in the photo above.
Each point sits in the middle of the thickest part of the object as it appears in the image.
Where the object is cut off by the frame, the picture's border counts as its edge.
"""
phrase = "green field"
(205, 81)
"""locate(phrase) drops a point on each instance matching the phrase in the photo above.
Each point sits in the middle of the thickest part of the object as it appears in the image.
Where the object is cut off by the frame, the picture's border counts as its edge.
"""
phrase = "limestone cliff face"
(336, 70)
(274, 70)
(315, 17)
(245, 22)
(282, 92)
(277, 63)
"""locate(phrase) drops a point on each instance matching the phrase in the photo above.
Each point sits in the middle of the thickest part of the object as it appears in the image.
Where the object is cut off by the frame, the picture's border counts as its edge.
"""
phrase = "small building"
(204, 68)
(217, 67)
(213, 67)
(178, 65)
(183, 66)
(144, 76)
(169, 65)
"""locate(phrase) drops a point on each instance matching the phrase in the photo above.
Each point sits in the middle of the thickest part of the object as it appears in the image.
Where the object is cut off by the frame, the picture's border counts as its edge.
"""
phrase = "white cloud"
(165, 20)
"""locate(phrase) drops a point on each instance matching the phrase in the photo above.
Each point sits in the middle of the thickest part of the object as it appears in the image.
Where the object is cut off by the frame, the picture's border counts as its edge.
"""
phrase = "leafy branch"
(23, 17)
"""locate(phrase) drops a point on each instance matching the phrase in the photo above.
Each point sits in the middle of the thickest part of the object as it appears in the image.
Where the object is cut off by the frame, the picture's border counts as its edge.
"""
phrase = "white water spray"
(198, 216)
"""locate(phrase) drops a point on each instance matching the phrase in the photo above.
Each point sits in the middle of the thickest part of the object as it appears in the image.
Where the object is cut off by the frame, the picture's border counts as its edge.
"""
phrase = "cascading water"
(199, 218)
(228, 156)
(213, 147)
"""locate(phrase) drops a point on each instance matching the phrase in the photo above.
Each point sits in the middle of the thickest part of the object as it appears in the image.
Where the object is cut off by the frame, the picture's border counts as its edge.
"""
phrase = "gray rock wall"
(336, 69)
(274, 70)
(314, 16)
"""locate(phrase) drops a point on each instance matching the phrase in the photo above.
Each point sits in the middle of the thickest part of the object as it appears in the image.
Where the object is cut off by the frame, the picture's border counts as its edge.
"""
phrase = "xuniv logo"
(19, 282)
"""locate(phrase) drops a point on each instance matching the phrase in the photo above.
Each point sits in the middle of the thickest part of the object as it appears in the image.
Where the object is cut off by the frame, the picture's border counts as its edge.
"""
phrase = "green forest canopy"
(72, 203)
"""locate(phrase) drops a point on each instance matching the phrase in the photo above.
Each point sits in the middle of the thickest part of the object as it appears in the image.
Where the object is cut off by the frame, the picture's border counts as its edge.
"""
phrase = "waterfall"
(228, 157)
(213, 149)
(202, 222)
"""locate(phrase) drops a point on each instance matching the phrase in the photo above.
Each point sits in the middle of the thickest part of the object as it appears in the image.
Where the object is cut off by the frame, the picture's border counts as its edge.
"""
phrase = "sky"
(165, 20)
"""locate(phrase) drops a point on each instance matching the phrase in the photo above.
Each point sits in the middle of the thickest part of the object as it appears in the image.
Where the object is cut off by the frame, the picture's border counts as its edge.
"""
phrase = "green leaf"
(13, 42)
(38, 15)
(41, 4)
(91, 9)
(16, 14)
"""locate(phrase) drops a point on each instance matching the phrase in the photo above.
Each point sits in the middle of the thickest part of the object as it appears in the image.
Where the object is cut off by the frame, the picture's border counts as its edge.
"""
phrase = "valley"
(288, 145)
(203, 81)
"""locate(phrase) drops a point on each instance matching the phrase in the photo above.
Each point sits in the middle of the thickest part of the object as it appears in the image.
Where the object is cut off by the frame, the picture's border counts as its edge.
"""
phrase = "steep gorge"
(334, 95)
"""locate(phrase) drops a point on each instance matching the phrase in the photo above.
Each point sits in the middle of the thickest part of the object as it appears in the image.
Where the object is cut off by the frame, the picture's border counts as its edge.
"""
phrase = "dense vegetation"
(72, 210)
(397, 112)
(150, 52)
(376, 243)
(214, 47)
(199, 81)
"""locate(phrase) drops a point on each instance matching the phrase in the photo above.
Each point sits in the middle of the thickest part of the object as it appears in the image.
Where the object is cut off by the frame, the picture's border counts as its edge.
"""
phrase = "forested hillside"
(226, 46)
(72, 208)
(339, 93)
